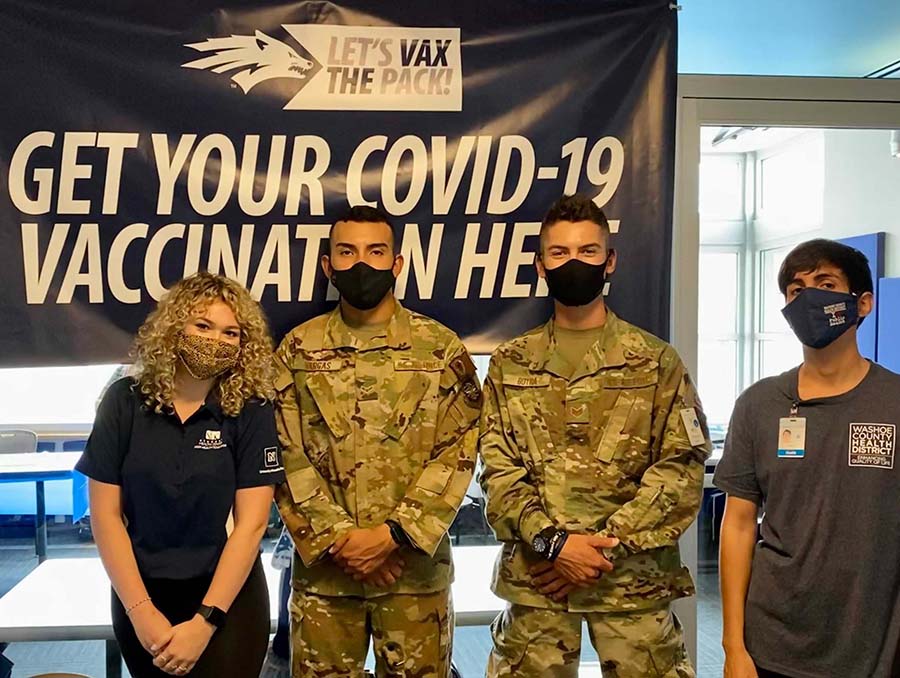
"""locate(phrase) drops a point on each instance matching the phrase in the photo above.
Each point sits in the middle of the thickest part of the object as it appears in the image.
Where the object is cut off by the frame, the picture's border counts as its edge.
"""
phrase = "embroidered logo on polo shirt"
(271, 461)
(271, 457)
(212, 441)
(872, 445)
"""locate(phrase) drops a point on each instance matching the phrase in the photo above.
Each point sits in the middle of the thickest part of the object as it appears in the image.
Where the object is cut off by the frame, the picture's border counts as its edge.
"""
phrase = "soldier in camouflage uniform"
(377, 409)
(593, 443)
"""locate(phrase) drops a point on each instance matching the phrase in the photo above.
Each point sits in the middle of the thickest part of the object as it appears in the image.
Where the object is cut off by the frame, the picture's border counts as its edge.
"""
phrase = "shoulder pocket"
(626, 428)
(615, 425)
(283, 380)
(303, 483)
(406, 406)
(322, 392)
(435, 478)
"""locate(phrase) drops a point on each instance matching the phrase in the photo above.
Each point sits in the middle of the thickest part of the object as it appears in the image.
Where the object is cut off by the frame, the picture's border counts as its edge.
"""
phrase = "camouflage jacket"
(605, 452)
(374, 431)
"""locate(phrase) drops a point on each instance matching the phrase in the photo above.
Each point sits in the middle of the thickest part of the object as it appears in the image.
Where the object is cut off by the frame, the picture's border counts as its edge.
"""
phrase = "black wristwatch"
(213, 615)
(549, 542)
(398, 534)
(541, 542)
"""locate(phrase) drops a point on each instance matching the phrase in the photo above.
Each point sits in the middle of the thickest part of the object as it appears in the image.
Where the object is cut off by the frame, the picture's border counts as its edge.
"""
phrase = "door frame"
(855, 103)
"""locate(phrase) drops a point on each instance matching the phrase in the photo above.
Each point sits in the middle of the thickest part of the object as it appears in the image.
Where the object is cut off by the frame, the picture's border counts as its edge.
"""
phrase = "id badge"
(692, 425)
(791, 438)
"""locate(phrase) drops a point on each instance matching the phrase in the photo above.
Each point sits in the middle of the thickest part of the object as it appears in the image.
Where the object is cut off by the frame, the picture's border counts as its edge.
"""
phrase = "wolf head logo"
(260, 56)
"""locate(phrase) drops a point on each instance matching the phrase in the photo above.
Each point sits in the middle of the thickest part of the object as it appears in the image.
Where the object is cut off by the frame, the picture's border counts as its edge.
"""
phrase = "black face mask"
(576, 283)
(362, 286)
(819, 317)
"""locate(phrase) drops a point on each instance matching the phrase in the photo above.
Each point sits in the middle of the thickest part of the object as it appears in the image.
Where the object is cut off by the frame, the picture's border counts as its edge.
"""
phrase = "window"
(721, 187)
(777, 348)
(719, 339)
(760, 194)
(792, 184)
(52, 395)
(723, 197)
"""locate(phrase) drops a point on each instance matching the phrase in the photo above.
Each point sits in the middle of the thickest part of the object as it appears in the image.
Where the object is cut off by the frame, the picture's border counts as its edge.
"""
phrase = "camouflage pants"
(531, 642)
(412, 634)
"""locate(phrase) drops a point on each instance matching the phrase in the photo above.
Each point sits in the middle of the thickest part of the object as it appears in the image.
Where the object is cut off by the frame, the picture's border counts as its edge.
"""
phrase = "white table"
(473, 601)
(69, 599)
(38, 467)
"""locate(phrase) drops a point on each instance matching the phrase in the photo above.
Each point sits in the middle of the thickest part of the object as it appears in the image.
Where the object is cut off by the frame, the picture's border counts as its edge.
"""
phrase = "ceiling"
(788, 37)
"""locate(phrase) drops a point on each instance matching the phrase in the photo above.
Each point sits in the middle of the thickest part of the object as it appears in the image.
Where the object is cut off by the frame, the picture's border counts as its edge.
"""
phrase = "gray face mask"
(206, 358)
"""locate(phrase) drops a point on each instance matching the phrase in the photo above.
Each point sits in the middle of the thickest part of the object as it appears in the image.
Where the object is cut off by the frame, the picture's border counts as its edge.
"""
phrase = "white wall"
(862, 189)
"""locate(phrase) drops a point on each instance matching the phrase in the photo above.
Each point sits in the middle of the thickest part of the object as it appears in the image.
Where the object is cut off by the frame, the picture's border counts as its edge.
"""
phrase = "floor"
(710, 657)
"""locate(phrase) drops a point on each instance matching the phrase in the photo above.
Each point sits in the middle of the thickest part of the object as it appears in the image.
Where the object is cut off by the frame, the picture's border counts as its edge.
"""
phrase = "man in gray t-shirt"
(817, 595)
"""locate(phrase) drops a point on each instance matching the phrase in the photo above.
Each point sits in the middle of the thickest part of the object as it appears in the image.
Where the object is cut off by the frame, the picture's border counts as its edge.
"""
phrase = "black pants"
(762, 673)
(235, 651)
(281, 643)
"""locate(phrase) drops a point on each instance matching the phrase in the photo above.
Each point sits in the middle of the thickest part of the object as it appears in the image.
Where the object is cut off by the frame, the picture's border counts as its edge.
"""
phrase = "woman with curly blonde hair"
(182, 461)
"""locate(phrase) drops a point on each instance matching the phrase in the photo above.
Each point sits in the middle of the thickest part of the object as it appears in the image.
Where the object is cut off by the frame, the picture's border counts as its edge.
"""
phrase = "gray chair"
(17, 440)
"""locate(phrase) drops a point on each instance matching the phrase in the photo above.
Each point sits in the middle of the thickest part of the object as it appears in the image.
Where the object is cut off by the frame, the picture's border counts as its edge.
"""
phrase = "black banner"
(143, 141)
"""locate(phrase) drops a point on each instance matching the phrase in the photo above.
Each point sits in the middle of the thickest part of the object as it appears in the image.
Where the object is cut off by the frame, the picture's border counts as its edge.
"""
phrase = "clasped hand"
(579, 564)
(369, 555)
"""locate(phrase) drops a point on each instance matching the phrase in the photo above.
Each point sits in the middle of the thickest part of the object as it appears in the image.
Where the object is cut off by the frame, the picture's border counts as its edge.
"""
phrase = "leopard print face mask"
(205, 358)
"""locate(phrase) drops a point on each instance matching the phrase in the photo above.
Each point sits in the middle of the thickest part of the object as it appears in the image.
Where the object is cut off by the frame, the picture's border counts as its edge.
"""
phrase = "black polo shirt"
(179, 480)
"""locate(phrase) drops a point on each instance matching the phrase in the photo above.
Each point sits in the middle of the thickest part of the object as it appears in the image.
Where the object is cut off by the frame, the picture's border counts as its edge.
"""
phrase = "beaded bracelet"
(137, 604)
(557, 541)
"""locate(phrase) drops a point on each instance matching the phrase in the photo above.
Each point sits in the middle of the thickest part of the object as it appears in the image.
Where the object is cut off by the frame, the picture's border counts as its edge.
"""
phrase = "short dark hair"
(366, 215)
(577, 207)
(808, 256)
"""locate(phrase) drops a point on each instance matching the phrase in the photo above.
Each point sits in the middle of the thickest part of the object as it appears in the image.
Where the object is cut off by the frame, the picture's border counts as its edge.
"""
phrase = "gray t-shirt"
(823, 598)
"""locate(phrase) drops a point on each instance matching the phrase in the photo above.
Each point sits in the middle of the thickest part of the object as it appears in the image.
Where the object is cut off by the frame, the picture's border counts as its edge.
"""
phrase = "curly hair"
(155, 358)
